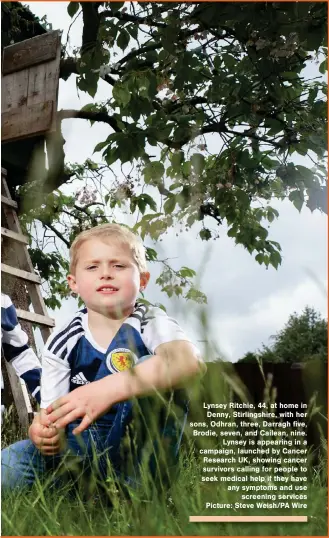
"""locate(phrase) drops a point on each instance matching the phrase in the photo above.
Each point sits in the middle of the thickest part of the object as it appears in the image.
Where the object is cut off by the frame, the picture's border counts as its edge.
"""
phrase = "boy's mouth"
(107, 289)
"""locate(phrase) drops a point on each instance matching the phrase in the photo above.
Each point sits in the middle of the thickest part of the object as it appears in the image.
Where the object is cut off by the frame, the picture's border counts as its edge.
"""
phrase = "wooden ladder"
(32, 281)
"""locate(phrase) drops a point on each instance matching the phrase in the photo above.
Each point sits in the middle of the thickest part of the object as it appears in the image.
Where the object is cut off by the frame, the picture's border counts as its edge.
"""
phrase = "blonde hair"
(115, 232)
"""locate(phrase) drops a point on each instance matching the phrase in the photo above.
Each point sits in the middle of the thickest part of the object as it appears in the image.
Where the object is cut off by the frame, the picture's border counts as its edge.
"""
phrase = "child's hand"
(88, 402)
(46, 439)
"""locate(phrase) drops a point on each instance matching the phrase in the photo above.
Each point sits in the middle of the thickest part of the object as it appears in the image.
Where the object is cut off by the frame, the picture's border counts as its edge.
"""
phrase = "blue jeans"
(22, 463)
(98, 450)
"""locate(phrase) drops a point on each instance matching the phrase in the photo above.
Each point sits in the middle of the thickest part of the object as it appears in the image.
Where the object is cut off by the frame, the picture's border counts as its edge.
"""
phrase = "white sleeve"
(55, 377)
(16, 348)
(56, 369)
(159, 329)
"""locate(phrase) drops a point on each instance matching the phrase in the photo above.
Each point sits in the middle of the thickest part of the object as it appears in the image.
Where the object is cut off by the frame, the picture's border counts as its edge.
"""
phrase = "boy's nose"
(107, 273)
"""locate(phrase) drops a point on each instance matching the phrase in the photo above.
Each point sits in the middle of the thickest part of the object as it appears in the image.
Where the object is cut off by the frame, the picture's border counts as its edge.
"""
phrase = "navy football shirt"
(72, 358)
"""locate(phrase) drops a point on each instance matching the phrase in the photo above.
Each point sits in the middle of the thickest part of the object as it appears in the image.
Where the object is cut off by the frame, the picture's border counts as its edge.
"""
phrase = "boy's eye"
(119, 266)
(90, 267)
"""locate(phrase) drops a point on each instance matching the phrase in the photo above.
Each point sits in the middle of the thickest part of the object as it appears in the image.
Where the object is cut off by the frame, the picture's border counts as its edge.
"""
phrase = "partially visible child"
(16, 349)
(95, 365)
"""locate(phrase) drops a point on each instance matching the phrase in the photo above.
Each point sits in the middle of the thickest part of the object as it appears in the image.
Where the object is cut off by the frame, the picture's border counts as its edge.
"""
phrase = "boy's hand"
(46, 439)
(88, 402)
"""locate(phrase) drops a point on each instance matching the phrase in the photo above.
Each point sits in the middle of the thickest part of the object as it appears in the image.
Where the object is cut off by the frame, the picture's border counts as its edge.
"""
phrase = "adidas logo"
(79, 379)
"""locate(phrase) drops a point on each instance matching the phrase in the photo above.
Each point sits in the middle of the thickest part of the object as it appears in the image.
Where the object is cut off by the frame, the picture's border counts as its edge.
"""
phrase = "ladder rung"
(25, 275)
(35, 318)
(15, 236)
(10, 203)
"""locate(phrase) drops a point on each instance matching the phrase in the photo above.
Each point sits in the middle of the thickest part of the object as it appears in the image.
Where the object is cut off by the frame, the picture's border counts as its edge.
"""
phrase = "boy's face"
(107, 277)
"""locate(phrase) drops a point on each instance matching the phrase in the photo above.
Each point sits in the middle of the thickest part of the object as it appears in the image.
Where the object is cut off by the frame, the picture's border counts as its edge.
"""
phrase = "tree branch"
(91, 22)
(69, 66)
(56, 232)
(137, 52)
(148, 21)
(221, 128)
(89, 115)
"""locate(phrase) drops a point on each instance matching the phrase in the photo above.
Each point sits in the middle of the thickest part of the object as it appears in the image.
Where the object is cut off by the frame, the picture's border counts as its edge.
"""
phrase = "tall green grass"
(147, 511)
(164, 507)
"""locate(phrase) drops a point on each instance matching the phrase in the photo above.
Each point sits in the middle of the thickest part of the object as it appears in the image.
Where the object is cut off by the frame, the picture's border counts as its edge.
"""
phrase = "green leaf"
(275, 259)
(323, 67)
(149, 201)
(186, 169)
(302, 148)
(89, 108)
(243, 198)
(133, 30)
(312, 95)
(100, 146)
(229, 61)
(141, 205)
(111, 155)
(176, 159)
(186, 272)
(198, 162)
(153, 171)
(205, 234)
(121, 94)
(275, 126)
(289, 75)
(169, 205)
(73, 8)
(232, 232)
(151, 254)
(270, 216)
(307, 175)
(297, 198)
(123, 39)
(197, 296)
(259, 258)
(88, 83)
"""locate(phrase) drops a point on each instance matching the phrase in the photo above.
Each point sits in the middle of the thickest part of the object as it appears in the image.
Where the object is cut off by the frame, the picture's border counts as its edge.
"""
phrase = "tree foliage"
(304, 337)
(211, 110)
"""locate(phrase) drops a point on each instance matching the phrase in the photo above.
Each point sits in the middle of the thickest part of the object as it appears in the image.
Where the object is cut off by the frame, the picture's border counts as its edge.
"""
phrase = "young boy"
(95, 365)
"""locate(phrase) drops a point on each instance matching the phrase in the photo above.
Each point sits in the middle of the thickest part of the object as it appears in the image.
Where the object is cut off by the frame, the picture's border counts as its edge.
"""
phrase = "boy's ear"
(72, 283)
(144, 278)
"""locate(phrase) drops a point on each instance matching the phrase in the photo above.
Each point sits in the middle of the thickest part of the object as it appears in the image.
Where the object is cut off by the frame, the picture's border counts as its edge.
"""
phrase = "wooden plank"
(15, 236)
(4, 186)
(27, 121)
(8, 202)
(20, 273)
(43, 84)
(37, 87)
(30, 52)
(24, 262)
(14, 91)
(29, 96)
(35, 318)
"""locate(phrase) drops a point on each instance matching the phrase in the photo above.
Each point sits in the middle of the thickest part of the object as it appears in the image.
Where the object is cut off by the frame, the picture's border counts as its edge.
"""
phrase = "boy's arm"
(172, 363)
(55, 381)
(17, 350)
(55, 378)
